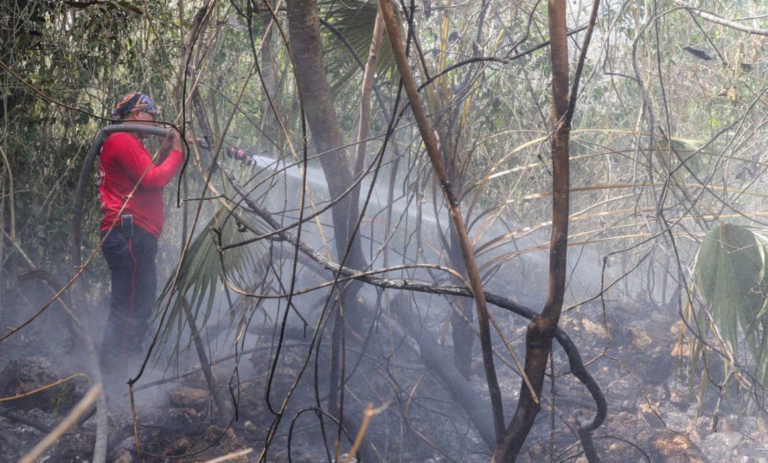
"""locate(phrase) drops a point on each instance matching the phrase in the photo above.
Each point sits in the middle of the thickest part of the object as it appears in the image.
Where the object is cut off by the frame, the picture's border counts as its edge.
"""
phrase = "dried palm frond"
(355, 20)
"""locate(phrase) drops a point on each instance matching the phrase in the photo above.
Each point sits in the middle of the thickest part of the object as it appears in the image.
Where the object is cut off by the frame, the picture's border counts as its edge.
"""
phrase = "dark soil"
(653, 413)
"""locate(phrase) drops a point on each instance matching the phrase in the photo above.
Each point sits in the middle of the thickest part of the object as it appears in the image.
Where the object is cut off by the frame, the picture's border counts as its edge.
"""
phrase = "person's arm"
(171, 142)
(135, 159)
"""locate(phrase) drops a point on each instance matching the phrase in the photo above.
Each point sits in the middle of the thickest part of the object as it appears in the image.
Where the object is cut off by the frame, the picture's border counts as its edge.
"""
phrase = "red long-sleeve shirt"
(122, 161)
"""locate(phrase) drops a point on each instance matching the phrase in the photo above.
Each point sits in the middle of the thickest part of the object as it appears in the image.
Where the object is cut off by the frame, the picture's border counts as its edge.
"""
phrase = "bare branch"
(711, 17)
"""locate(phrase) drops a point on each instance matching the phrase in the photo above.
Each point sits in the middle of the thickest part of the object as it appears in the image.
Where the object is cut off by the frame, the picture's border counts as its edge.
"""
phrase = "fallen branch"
(43, 388)
(25, 420)
(64, 426)
(191, 372)
(574, 357)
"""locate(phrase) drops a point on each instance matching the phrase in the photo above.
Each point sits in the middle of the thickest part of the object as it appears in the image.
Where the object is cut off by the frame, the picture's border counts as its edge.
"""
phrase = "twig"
(492, 59)
(231, 456)
(11, 206)
(47, 278)
(41, 389)
(64, 426)
(722, 21)
(135, 422)
(221, 404)
(368, 413)
(44, 96)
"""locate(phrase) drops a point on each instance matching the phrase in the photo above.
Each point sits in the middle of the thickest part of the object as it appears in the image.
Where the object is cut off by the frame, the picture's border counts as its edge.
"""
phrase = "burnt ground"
(656, 411)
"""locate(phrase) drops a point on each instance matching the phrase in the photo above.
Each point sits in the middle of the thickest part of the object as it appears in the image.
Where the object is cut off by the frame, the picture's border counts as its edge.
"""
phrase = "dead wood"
(440, 363)
(454, 208)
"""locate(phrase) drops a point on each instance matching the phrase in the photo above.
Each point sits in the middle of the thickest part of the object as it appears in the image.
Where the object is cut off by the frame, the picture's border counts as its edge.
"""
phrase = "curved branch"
(574, 357)
(454, 208)
(720, 20)
(492, 59)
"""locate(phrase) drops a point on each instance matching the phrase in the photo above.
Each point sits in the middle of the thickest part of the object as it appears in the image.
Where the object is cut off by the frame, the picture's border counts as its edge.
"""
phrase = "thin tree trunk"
(538, 338)
(543, 327)
(438, 362)
(461, 329)
(269, 127)
(338, 165)
(369, 74)
(454, 209)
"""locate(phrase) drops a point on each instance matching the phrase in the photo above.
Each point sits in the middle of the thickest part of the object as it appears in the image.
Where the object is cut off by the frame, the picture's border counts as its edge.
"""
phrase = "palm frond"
(205, 269)
(730, 275)
(355, 19)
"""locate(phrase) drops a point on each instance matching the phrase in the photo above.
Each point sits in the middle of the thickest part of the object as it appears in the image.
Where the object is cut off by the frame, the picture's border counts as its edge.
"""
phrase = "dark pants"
(134, 290)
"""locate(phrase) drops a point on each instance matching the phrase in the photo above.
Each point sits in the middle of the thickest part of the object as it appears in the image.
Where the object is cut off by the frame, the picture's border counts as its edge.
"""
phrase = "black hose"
(100, 447)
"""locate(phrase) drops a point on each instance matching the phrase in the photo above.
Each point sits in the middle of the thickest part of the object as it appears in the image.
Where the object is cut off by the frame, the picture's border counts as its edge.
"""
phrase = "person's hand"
(190, 138)
(171, 141)
(175, 140)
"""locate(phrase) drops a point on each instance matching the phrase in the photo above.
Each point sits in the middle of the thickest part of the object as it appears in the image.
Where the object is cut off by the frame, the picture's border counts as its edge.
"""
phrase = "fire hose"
(244, 156)
(100, 447)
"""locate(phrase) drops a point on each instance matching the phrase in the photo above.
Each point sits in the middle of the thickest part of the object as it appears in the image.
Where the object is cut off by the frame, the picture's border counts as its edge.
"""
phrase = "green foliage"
(730, 276)
(355, 20)
(206, 270)
(730, 272)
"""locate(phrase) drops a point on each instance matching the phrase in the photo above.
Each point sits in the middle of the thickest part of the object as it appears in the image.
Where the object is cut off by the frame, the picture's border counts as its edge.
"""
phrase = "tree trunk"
(338, 165)
(269, 72)
(461, 329)
(454, 208)
(438, 362)
(369, 73)
(538, 338)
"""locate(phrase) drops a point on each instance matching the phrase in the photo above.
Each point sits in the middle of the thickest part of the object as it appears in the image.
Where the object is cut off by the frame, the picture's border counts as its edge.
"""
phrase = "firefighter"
(131, 191)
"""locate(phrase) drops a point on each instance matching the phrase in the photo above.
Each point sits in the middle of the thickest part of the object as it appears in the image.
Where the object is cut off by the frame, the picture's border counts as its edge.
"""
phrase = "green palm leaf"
(355, 20)
(203, 272)
(730, 275)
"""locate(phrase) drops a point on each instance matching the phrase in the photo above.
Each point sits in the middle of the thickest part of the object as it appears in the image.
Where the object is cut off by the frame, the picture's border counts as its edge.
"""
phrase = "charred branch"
(457, 219)
(575, 361)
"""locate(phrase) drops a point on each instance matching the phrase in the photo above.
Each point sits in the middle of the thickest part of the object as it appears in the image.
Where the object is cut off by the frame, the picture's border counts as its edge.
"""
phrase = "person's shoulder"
(117, 146)
(120, 139)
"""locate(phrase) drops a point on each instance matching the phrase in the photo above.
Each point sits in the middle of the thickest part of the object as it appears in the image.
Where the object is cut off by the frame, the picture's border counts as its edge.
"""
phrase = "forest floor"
(655, 412)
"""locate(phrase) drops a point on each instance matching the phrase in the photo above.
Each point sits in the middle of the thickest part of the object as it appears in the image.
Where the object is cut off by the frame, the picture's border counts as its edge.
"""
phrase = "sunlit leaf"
(128, 8)
(83, 5)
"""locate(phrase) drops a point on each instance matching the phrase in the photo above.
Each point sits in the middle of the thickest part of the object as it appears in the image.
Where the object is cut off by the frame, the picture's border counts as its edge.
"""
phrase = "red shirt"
(122, 161)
